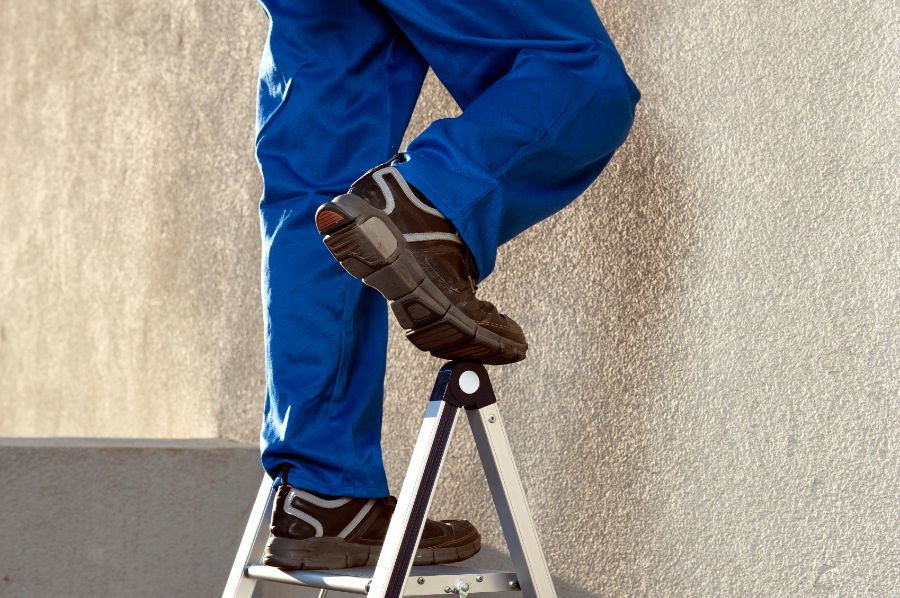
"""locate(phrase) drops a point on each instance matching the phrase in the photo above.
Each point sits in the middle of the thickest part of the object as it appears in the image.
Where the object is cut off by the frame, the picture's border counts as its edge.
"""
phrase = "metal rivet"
(479, 578)
(492, 419)
(421, 580)
(514, 584)
(448, 590)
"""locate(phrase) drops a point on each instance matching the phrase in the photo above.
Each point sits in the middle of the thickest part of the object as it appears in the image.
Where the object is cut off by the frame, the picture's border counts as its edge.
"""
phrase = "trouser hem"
(298, 480)
(454, 195)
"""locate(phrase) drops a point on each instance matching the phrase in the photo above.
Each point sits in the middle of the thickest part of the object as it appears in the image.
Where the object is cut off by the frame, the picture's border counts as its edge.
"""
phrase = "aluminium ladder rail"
(459, 385)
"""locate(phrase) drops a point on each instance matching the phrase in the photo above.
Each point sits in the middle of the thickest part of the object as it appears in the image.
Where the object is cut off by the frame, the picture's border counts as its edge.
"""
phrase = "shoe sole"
(372, 249)
(336, 553)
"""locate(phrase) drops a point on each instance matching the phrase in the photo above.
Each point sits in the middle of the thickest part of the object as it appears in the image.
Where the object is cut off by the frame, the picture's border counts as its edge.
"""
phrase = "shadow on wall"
(594, 287)
(599, 310)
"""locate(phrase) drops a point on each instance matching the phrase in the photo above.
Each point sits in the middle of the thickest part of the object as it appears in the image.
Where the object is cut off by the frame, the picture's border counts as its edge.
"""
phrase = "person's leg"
(338, 83)
(546, 101)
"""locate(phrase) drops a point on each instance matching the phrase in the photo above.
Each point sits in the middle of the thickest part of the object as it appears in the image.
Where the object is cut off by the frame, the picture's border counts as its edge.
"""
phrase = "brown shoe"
(386, 233)
(310, 531)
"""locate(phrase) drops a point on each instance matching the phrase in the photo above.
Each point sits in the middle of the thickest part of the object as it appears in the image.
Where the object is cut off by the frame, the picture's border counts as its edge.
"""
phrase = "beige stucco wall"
(710, 403)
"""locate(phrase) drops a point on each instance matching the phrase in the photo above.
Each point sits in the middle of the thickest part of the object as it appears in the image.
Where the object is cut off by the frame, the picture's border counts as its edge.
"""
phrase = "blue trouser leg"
(546, 101)
(338, 83)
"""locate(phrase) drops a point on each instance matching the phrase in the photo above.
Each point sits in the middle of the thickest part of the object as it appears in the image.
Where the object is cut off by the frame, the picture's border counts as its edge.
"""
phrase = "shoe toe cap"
(450, 532)
(504, 326)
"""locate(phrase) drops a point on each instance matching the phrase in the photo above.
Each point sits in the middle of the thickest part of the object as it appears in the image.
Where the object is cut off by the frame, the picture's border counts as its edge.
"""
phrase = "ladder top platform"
(424, 580)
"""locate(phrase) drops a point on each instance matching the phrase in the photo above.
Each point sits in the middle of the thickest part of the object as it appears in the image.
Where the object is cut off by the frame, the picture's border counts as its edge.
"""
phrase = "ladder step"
(424, 580)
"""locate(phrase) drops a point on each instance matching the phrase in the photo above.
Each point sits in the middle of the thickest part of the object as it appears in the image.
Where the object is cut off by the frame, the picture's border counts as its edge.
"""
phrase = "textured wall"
(129, 268)
(710, 403)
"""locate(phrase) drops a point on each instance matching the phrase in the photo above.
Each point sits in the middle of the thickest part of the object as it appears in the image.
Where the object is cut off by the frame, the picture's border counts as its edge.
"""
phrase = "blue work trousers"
(545, 102)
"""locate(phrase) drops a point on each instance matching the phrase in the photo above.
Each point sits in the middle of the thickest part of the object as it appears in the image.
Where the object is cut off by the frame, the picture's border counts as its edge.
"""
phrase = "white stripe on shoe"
(324, 503)
(432, 236)
(389, 196)
(330, 503)
(290, 509)
(359, 517)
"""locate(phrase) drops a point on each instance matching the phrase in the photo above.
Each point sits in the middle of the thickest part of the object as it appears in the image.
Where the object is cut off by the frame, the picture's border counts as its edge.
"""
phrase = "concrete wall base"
(86, 517)
(136, 518)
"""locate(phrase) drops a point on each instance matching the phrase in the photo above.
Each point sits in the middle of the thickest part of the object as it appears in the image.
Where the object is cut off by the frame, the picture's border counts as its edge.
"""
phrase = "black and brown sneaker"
(313, 531)
(386, 233)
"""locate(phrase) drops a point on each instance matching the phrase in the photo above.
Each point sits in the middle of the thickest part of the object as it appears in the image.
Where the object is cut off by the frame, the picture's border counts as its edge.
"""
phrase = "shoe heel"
(362, 246)
(368, 246)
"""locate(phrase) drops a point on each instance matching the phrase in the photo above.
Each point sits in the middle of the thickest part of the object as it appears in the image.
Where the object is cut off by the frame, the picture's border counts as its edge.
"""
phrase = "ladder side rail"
(405, 529)
(250, 550)
(510, 502)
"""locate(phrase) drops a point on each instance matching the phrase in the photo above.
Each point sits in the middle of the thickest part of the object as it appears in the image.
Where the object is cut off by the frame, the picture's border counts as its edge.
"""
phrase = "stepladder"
(460, 386)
